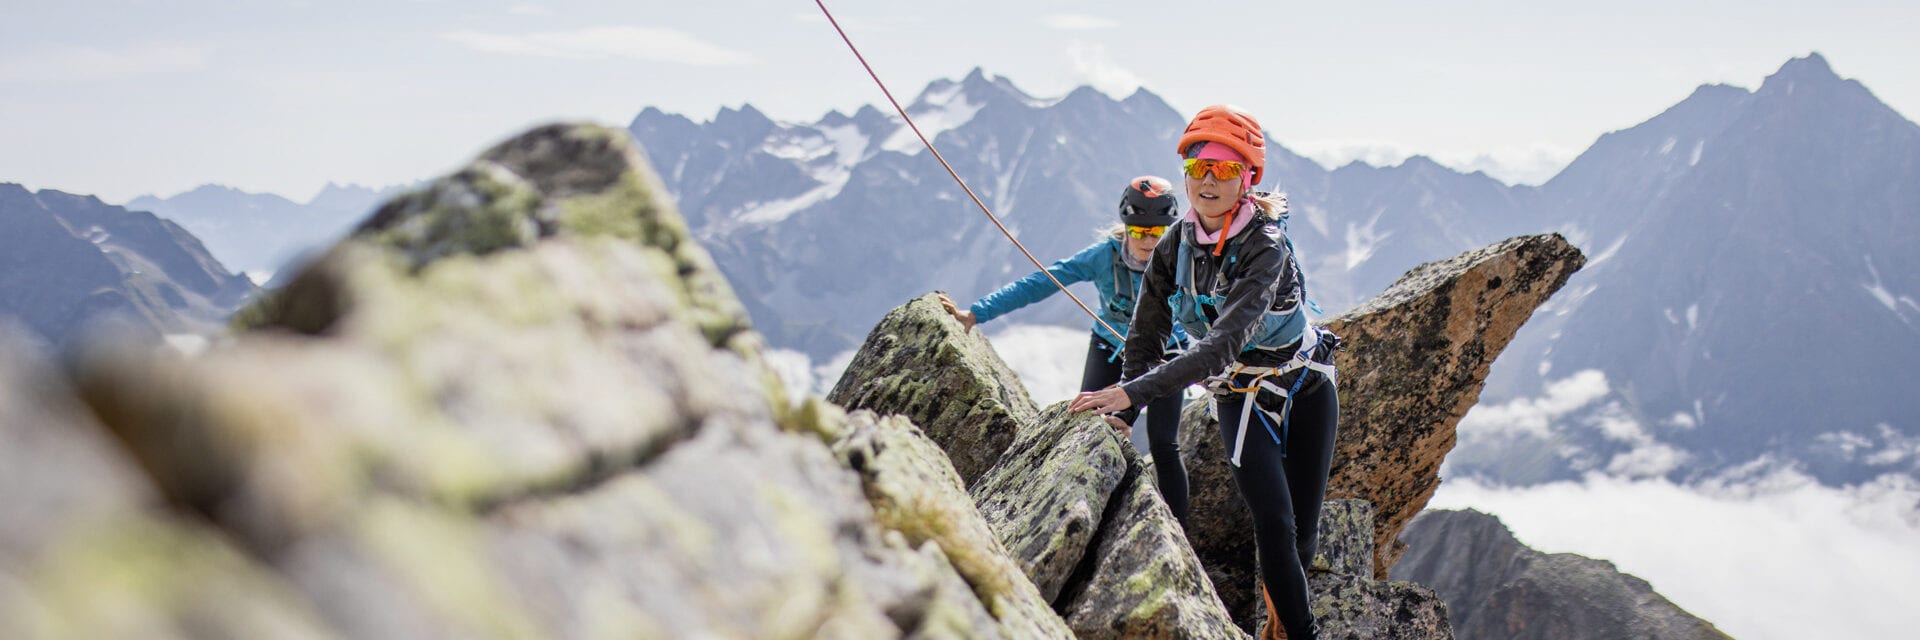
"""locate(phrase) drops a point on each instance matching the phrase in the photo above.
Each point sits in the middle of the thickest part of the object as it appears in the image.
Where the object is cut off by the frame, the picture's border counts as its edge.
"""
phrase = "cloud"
(1573, 403)
(529, 9)
(1885, 447)
(1090, 65)
(1536, 416)
(1047, 358)
(1077, 22)
(80, 64)
(599, 43)
(1724, 549)
(802, 377)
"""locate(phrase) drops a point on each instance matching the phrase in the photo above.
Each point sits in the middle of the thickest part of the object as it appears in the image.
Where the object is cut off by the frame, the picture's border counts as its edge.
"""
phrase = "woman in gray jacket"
(1230, 279)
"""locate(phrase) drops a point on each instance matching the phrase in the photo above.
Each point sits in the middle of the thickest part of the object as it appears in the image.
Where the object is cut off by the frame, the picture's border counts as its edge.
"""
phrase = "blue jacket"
(1099, 263)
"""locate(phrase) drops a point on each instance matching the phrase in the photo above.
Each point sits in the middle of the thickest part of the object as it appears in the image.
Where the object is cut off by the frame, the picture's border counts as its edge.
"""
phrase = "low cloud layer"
(1769, 553)
(1578, 402)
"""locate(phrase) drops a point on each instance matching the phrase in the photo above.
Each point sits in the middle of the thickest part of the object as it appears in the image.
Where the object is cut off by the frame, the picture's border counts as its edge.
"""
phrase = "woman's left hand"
(1103, 402)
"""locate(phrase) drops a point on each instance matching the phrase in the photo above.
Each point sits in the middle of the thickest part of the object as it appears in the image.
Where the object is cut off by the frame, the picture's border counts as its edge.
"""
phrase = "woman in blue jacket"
(1114, 264)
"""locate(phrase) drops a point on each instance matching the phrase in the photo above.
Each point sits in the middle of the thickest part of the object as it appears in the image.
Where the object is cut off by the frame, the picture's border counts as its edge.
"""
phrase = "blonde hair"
(1272, 203)
(1118, 232)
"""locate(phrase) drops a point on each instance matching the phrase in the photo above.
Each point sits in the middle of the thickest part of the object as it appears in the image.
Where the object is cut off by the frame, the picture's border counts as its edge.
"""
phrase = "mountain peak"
(1812, 65)
(1811, 70)
(746, 115)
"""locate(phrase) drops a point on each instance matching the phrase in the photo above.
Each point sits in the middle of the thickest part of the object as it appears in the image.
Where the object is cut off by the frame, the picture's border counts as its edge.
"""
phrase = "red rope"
(956, 176)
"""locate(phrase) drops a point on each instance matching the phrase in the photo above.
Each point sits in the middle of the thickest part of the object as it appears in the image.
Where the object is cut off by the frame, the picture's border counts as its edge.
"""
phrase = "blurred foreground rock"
(517, 403)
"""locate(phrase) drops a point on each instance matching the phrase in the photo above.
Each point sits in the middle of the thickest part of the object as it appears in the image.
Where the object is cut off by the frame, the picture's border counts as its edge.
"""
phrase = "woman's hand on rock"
(1103, 402)
(965, 316)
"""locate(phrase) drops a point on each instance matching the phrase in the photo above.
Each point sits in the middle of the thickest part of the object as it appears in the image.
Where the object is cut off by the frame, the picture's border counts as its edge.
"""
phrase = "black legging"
(1284, 491)
(1163, 426)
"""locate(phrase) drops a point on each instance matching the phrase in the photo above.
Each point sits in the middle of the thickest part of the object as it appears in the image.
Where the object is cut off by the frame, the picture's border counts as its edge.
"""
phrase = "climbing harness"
(1268, 379)
(956, 176)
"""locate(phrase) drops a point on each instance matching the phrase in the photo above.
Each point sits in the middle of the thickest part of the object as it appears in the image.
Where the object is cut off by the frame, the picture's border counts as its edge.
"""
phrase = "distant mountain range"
(259, 233)
(1751, 295)
(69, 264)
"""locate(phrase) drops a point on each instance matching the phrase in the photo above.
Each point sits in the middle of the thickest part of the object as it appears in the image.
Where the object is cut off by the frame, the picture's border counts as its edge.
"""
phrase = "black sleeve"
(1152, 318)
(1248, 297)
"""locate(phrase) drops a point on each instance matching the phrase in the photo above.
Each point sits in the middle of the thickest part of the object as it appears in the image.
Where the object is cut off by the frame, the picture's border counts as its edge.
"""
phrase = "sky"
(136, 97)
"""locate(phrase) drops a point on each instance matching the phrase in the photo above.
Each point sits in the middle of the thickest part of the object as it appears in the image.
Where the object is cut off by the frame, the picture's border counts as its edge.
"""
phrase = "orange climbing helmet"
(1231, 126)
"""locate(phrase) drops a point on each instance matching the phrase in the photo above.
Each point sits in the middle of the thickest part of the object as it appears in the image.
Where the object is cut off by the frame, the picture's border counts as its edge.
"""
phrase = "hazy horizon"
(121, 100)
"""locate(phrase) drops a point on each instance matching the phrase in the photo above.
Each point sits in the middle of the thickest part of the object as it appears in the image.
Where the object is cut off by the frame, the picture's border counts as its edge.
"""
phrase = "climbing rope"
(956, 176)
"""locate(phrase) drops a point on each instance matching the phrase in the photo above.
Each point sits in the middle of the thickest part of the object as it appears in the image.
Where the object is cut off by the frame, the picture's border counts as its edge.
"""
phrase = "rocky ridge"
(513, 390)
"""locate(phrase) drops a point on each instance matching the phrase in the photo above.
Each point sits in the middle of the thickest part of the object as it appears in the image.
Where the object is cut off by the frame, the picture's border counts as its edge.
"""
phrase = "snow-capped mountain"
(1751, 290)
(825, 226)
(259, 233)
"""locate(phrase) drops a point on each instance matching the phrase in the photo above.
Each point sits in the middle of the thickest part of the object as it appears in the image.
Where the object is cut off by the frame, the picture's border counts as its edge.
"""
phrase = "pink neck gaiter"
(1240, 220)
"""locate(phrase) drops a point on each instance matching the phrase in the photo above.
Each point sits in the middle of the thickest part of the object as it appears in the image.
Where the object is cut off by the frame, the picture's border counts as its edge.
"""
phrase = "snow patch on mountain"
(939, 110)
(1895, 303)
(1609, 251)
(828, 154)
(1316, 218)
(1363, 241)
(778, 210)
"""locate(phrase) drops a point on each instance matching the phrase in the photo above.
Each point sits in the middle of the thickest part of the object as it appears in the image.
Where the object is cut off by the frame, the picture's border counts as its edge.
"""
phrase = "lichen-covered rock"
(1345, 545)
(86, 551)
(1349, 603)
(916, 492)
(1046, 496)
(520, 402)
(1496, 587)
(1356, 608)
(1416, 357)
(1141, 579)
(919, 363)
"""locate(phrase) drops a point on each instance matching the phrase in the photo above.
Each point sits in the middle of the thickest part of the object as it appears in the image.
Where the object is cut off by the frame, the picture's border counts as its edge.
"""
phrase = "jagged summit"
(1812, 66)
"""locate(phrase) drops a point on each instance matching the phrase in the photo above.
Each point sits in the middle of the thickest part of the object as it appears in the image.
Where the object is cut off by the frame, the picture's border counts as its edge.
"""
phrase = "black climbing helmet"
(1148, 202)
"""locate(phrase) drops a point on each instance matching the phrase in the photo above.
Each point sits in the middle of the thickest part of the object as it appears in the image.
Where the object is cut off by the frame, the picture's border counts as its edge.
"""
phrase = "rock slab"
(919, 363)
(1141, 579)
(1047, 496)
